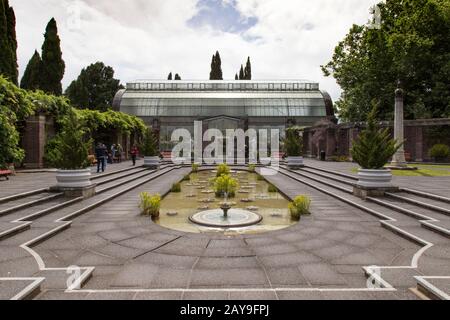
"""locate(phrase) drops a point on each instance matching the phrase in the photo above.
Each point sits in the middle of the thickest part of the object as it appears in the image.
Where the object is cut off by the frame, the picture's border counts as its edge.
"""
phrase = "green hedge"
(16, 105)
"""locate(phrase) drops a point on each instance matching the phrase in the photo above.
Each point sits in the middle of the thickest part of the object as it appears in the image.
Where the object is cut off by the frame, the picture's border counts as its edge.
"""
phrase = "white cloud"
(148, 39)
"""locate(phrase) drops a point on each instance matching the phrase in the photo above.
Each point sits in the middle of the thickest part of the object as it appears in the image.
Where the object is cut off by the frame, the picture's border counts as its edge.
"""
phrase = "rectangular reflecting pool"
(197, 195)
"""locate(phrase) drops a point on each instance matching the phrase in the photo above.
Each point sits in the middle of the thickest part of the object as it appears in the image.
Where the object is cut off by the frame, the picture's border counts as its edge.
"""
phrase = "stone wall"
(336, 139)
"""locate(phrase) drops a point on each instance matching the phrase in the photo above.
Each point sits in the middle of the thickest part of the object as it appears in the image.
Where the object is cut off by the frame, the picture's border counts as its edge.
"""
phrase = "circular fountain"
(226, 217)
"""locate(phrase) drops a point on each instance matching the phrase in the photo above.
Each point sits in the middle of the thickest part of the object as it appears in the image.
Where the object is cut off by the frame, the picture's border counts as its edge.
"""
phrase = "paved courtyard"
(332, 254)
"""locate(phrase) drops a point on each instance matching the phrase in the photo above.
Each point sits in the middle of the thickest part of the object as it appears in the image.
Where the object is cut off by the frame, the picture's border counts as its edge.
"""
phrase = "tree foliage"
(8, 42)
(150, 144)
(293, 143)
(31, 76)
(374, 147)
(53, 66)
(216, 67)
(94, 88)
(411, 46)
(71, 145)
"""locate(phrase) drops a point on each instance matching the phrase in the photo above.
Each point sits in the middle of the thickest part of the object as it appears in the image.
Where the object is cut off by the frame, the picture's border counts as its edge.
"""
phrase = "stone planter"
(266, 161)
(73, 179)
(294, 162)
(375, 179)
(152, 162)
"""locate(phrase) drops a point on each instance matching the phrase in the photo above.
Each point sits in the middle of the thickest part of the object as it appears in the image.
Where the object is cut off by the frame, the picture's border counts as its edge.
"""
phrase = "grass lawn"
(424, 171)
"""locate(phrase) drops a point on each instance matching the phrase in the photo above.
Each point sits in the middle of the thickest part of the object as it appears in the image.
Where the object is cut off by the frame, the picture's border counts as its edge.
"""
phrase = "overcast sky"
(146, 39)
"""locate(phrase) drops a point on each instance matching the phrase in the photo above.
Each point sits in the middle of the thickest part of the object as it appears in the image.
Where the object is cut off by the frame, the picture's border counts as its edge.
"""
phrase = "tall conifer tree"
(53, 65)
(241, 73)
(248, 70)
(30, 79)
(169, 77)
(6, 54)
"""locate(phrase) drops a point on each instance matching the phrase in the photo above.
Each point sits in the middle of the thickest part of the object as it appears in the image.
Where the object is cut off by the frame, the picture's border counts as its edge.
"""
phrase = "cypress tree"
(219, 74)
(6, 55)
(11, 29)
(213, 68)
(169, 77)
(177, 77)
(236, 77)
(30, 79)
(53, 65)
(241, 73)
(248, 70)
(216, 67)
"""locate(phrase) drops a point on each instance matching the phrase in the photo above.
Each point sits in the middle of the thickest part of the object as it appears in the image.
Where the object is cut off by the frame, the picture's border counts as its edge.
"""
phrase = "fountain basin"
(237, 218)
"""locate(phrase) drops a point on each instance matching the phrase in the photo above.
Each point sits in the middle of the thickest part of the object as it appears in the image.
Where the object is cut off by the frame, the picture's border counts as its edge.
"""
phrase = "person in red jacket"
(134, 154)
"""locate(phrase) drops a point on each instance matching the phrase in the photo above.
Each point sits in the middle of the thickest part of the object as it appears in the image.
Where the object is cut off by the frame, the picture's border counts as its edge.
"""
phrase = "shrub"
(223, 169)
(150, 204)
(150, 146)
(252, 167)
(176, 187)
(299, 207)
(272, 188)
(374, 147)
(439, 152)
(69, 150)
(293, 143)
(187, 178)
(225, 184)
(195, 167)
(261, 178)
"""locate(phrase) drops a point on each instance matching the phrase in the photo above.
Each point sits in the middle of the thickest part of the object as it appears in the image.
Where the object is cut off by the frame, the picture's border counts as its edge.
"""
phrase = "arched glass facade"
(168, 105)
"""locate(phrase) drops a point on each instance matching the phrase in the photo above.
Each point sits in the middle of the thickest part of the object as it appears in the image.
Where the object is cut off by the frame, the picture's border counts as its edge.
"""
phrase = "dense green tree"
(170, 77)
(177, 77)
(241, 73)
(94, 88)
(248, 70)
(8, 46)
(216, 67)
(236, 77)
(53, 65)
(31, 76)
(411, 46)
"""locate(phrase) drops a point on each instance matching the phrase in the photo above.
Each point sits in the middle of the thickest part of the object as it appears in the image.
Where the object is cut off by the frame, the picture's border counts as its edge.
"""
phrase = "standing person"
(134, 153)
(119, 153)
(113, 152)
(100, 155)
(105, 154)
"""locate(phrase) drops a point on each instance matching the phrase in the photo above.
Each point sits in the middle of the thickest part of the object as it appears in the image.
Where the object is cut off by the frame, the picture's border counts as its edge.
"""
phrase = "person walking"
(119, 153)
(134, 154)
(100, 154)
(113, 152)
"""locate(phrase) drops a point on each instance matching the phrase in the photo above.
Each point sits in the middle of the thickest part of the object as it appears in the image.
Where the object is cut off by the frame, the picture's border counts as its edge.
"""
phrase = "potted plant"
(299, 207)
(70, 154)
(150, 204)
(293, 145)
(372, 150)
(439, 153)
(150, 150)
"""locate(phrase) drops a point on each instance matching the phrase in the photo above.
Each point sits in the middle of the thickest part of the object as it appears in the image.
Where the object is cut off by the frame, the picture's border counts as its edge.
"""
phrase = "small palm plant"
(223, 169)
(300, 207)
(374, 146)
(225, 185)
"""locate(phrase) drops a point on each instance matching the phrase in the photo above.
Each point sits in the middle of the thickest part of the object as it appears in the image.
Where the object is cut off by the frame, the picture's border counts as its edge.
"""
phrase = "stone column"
(399, 130)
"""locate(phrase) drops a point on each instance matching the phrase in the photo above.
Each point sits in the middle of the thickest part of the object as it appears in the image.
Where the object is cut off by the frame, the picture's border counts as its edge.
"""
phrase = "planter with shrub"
(150, 151)
(225, 185)
(150, 205)
(299, 207)
(294, 149)
(372, 151)
(70, 154)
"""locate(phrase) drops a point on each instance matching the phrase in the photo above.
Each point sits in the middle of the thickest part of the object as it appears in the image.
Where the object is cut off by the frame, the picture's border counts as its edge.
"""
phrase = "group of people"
(105, 156)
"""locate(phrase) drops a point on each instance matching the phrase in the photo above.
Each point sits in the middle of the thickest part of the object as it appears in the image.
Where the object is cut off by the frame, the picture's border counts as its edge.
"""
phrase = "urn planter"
(295, 162)
(152, 162)
(266, 161)
(73, 178)
(369, 178)
(374, 183)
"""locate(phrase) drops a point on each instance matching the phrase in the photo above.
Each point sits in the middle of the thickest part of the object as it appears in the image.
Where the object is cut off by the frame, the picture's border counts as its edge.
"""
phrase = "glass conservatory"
(170, 105)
